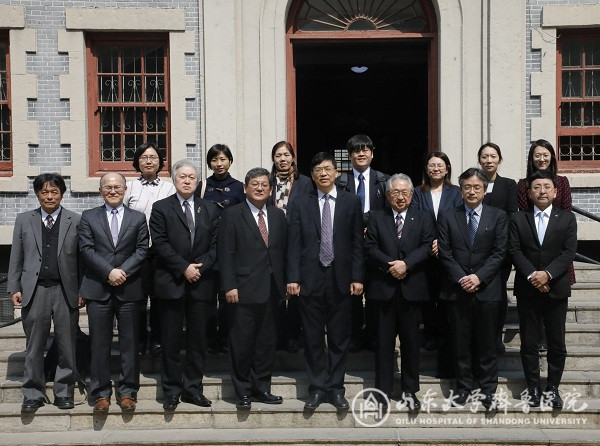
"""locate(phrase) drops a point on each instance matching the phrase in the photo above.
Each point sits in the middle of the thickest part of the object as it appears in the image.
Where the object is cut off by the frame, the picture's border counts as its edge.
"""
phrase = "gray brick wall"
(47, 17)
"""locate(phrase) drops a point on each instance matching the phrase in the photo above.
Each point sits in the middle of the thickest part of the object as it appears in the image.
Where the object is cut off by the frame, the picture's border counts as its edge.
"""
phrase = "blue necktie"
(472, 229)
(361, 191)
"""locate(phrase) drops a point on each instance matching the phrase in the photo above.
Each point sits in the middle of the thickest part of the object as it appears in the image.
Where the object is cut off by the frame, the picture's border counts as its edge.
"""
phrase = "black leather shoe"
(63, 402)
(198, 399)
(552, 397)
(267, 398)
(29, 406)
(244, 403)
(340, 403)
(314, 401)
(535, 396)
(487, 401)
(410, 400)
(461, 397)
(171, 403)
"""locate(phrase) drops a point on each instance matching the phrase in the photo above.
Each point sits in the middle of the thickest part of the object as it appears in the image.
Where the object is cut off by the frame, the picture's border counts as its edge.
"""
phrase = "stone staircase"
(287, 424)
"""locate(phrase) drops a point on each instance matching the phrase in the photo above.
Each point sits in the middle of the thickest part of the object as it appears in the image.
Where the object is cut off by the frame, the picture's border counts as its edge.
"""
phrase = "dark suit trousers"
(101, 318)
(473, 331)
(49, 304)
(177, 377)
(332, 310)
(288, 320)
(252, 341)
(553, 312)
(397, 316)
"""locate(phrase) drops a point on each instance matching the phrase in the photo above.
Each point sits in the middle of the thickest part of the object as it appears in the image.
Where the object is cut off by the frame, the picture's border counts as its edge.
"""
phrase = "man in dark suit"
(543, 245)
(113, 240)
(326, 268)
(43, 281)
(369, 185)
(472, 246)
(397, 244)
(184, 230)
(251, 251)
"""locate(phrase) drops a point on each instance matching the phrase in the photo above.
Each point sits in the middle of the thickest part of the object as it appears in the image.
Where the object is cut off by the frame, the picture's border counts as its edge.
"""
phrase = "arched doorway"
(363, 66)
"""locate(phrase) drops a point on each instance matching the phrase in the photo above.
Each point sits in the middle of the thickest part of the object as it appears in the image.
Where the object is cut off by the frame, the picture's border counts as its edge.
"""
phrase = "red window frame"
(579, 138)
(148, 108)
(6, 166)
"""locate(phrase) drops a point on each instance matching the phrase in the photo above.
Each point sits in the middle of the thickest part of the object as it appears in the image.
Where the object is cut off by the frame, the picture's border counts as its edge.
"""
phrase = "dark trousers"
(397, 317)
(217, 321)
(151, 317)
(553, 312)
(252, 341)
(288, 320)
(505, 273)
(49, 305)
(101, 318)
(332, 310)
(473, 331)
(178, 377)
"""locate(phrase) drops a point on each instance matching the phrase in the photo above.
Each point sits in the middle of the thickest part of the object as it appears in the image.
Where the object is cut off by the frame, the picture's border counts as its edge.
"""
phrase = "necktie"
(361, 191)
(189, 219)
(262, 227)
(399, 225)
(114, 226)
(326, 249)
(541, 229)
(49, 221)
(472, 229)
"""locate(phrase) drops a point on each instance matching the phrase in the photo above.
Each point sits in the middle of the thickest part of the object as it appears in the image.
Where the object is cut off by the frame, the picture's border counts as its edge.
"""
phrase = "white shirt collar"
(256, 210)
(365, 174)
(477, 210)
(546, 211)
(119, 208)
(54, 214)
(332, 193)
(403, 214)
(189, 200)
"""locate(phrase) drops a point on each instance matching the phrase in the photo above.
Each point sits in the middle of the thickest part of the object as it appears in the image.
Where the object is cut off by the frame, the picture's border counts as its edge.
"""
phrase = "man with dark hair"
(369, 185)
(472, 246)
(326, 267)
(251, 252)
(543, 245)
(43, 280)
(114, 242)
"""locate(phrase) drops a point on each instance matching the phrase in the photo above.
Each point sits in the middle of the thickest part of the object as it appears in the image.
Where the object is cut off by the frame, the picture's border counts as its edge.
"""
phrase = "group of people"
(239, 268)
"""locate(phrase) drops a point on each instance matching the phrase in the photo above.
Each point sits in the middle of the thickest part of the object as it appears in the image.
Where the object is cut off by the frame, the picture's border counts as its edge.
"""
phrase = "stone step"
(576, 335)
(584, 272)
(580, 292)
(577, 312)
(294, 385)
(223, 415)
(331, 436)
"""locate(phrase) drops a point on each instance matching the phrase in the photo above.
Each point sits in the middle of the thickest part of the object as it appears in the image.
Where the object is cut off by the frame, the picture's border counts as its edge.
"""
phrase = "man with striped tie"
(472, 246)
(326, 269)
(397, 245)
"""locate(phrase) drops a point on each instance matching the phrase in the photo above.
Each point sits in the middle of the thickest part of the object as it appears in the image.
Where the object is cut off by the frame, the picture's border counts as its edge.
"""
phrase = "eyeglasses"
(115, 188)
(433, 166)
(468, 187)
(327, 169)
(149, 158)
(542, 187)
(396, 193)
(361, 150)
(539, 156)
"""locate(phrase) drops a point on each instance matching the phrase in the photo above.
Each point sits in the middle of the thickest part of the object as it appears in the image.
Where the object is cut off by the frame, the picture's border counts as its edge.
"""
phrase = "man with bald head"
(113, 241)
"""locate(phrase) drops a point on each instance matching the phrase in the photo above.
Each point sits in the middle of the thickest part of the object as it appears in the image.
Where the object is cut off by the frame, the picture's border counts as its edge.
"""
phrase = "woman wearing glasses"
(140, 195)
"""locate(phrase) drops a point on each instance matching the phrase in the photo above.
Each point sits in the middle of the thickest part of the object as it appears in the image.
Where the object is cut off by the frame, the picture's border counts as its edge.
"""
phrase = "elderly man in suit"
(326, 268)
(543, 245)
(251, 251)
(43, 281)
(184, 230)
(397, 245)
(113, 240)
(472, 246)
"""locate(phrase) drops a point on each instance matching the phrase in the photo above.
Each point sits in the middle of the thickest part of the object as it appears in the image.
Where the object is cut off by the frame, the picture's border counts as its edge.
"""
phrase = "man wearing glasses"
(325, 268)
(113, 240)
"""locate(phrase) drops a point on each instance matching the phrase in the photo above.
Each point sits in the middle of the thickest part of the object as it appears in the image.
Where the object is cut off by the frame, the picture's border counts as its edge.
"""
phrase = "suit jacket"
(382, 246)
(484, 259)
(245, 262)
(100, 256)
(26, 255)
(503, 195)
(304, 242)
(376, 189)
(450, 200)
(174, 252)
(555, 255)
(301, 186)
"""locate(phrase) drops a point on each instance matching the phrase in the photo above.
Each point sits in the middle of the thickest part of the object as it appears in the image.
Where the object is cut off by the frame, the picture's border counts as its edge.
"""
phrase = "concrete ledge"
(125, 19)
(12, 17)
(566, 16)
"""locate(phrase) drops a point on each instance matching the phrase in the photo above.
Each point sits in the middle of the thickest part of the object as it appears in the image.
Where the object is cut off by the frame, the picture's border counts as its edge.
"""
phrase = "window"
(578, 94)
(128, 97)
(5, 124)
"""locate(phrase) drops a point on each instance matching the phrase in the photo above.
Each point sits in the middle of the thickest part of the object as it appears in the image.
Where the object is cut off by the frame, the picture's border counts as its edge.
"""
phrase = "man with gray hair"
(183, 229)
(397, 245)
